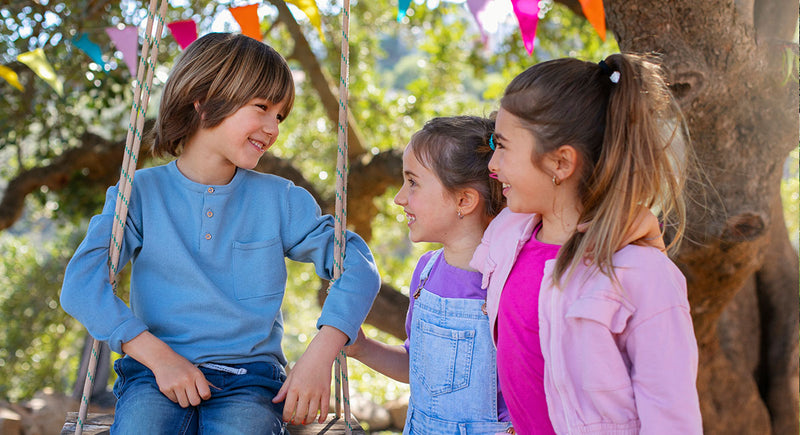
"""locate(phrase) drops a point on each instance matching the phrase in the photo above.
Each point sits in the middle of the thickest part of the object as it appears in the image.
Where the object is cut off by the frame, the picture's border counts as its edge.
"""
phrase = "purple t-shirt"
(449, 281)
(520, 364)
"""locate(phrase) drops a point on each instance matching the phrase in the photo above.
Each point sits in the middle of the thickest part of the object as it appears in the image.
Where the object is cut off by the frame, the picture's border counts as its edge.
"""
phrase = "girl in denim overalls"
(449, 358)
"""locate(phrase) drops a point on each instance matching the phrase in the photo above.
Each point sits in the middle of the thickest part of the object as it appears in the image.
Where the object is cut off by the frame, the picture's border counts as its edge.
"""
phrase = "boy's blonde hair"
(220, 72)
(629, 134)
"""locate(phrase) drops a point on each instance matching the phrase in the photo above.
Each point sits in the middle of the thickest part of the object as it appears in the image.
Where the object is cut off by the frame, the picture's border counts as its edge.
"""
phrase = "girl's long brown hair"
(629, 134)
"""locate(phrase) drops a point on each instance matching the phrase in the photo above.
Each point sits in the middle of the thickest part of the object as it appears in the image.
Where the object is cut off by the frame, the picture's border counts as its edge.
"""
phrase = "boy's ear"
(468, 200)
(197, 108)
(564, 161)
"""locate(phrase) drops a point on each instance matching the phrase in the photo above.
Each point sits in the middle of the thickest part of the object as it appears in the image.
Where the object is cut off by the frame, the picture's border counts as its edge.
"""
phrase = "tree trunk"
(726, 66)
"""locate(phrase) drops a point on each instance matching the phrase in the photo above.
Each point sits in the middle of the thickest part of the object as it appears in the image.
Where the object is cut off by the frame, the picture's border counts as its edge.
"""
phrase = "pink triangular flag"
(127, 41)
(527, 12)
(478, 9)
(184, 32)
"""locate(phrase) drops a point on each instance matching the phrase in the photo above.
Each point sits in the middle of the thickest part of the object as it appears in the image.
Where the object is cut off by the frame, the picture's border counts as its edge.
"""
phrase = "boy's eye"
(262, 106)
(280, 118)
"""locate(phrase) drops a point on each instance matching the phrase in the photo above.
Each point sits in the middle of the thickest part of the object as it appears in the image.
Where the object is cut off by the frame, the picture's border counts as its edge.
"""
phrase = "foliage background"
(402, 74)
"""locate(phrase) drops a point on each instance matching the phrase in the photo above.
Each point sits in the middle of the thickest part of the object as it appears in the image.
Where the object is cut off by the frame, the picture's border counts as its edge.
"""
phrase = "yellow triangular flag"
(309, 7)
(11, 77)
(38, 63)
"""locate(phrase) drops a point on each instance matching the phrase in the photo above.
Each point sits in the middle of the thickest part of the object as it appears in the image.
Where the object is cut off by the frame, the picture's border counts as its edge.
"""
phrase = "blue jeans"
(243, 405)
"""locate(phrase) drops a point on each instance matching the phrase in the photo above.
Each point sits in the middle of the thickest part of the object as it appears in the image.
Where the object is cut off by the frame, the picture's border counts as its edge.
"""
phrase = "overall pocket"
(444, 359)
(259, 269)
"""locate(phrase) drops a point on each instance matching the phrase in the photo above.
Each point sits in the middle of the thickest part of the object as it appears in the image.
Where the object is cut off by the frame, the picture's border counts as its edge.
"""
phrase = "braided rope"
(129, 162)
(340, 367)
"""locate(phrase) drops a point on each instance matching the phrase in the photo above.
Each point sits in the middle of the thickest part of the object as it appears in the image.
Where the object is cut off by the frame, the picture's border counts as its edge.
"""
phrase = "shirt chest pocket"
(259, 269)
(443, 359)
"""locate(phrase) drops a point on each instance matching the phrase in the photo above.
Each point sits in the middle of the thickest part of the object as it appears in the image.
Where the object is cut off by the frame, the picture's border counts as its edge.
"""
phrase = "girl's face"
(526, 187)
(431, 210)
(243, 137)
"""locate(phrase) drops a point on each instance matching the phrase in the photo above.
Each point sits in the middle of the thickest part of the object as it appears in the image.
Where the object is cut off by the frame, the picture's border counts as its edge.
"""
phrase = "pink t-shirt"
(520, 364)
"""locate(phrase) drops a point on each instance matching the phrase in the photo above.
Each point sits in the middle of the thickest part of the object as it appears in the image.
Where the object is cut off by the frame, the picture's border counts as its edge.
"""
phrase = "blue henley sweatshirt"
(208, 272)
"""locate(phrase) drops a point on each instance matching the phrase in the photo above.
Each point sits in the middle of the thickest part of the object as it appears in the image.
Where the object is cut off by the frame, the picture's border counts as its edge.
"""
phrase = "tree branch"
(319, 79)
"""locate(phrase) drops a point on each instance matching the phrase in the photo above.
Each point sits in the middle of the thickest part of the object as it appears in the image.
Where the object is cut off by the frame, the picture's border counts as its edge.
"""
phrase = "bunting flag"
(37, 61)
(402, 7)
(184, 32)
(91, 49)
(247, 17)
(309, 7)
(127, 41)
(478, 9)
(11, 77)
(527, 12)
(594, 12)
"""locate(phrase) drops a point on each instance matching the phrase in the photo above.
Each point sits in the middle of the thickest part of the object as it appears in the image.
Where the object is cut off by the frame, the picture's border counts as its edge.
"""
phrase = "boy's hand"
(307, 390)
(181, 381)
(177, 378)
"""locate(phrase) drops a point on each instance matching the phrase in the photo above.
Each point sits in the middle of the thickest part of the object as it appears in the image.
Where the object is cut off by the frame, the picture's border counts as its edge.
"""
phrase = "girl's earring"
(460, 214)
(556, 181)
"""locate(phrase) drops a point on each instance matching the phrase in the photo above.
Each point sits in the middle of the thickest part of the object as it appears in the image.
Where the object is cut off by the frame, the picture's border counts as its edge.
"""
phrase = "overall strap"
(423, 277)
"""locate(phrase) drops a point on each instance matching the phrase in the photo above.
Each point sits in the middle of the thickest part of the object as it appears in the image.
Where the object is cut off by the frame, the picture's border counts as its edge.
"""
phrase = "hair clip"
(612, 75)
(491, 141)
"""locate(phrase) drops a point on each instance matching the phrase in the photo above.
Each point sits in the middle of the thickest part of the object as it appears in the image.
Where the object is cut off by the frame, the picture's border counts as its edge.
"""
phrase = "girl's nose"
(400, 198)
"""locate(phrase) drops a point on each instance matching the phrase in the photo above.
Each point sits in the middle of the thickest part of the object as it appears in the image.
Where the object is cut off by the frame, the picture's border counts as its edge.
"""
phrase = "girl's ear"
(564, 161)
(468, 200)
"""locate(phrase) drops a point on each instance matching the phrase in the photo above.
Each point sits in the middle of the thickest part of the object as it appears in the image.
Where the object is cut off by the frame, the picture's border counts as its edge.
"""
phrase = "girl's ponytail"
(619, 115)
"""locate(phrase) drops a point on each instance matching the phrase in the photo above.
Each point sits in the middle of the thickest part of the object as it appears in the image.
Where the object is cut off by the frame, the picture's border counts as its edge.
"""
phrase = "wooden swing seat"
(100, 424)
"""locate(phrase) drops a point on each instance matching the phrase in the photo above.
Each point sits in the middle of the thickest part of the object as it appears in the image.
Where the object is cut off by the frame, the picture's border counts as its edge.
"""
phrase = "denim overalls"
(453, 368)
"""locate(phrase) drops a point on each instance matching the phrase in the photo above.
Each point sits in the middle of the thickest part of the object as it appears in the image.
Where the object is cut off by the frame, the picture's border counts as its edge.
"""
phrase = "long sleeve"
(663, 353)
(310, 238)
(86, 292)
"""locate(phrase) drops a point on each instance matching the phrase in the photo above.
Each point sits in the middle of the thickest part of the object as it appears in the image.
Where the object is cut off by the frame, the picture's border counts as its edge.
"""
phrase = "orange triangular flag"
(594, 12)
(247, 17)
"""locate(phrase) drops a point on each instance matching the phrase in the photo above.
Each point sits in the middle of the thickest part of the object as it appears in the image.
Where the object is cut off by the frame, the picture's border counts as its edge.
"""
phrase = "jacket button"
(209, 213)
(208, 236)
(210, 190)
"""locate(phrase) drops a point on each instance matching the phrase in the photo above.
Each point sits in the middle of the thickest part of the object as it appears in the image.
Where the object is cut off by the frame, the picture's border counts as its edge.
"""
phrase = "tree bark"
(724, 63)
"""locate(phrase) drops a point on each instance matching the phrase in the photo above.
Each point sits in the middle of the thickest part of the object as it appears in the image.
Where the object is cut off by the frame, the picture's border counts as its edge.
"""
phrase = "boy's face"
(431, 210)
(243, 137)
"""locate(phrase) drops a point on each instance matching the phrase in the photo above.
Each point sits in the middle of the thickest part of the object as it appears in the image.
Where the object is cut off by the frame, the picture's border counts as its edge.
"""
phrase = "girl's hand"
(645, 231)
(356, 349)
(307, 390)
(177, 378)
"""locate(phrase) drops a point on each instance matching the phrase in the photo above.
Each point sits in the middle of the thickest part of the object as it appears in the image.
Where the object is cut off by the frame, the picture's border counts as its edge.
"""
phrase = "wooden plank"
(99, 424)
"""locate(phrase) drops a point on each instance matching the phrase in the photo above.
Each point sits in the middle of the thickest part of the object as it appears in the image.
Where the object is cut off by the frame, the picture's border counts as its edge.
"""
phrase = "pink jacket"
(617, 360)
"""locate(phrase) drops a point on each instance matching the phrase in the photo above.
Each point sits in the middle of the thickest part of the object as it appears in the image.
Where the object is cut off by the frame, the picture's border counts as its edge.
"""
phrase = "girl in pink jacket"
(602, 341)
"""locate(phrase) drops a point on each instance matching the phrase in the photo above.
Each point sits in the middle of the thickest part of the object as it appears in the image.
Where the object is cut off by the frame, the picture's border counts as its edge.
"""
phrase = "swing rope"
(342, 387)
(130, 161)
